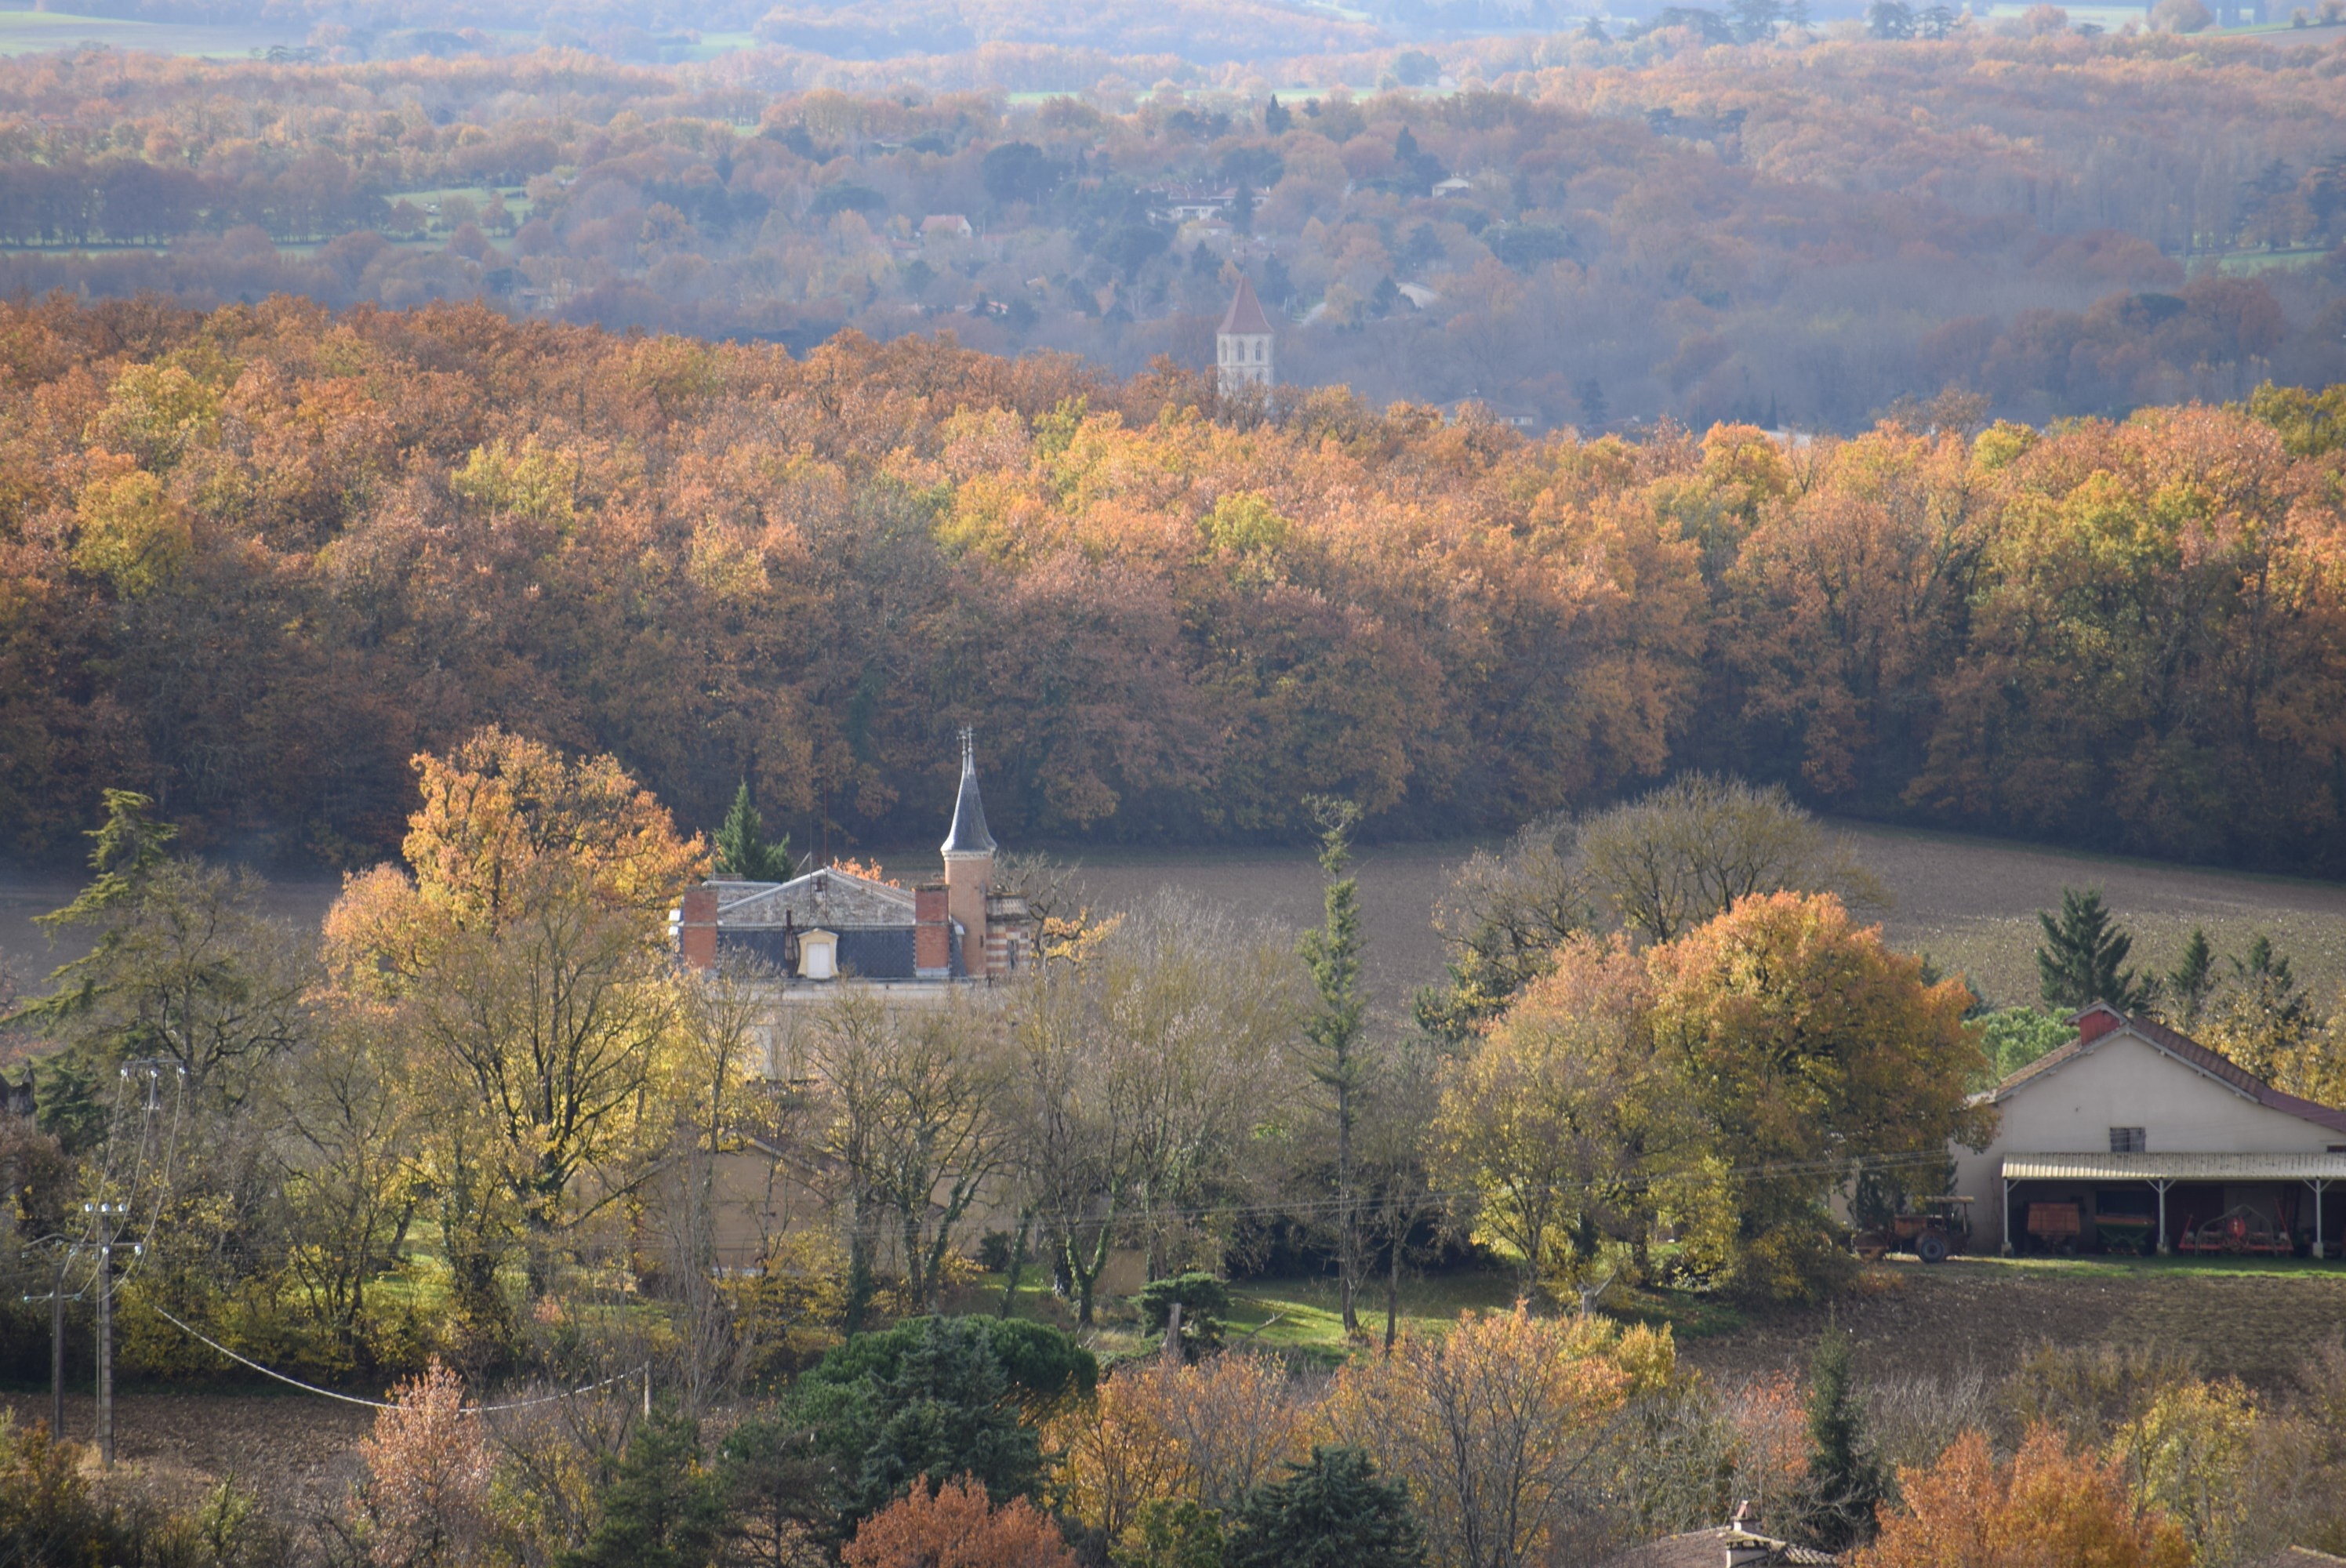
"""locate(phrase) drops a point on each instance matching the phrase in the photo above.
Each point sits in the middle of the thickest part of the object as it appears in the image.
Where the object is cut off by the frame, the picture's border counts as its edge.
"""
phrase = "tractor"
(1937, 1230)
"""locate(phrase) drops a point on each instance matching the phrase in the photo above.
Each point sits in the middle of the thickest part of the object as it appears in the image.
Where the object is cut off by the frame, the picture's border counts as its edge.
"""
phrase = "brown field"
(296, 1451)
(1968, 902)
(2254, 1324)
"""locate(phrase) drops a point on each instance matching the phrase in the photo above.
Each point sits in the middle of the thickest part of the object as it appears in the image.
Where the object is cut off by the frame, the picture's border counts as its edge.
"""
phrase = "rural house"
(2136, 1138)
(832, 925)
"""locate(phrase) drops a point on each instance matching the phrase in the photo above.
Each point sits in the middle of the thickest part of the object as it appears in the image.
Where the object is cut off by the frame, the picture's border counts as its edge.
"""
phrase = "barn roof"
(2170, 1042)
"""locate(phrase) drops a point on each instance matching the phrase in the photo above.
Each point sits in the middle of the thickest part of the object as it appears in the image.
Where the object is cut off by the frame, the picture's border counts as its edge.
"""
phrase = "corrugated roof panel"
(2174, 1167)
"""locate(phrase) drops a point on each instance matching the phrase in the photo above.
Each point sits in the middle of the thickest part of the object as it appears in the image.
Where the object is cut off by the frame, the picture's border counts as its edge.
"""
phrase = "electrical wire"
(290, 1381)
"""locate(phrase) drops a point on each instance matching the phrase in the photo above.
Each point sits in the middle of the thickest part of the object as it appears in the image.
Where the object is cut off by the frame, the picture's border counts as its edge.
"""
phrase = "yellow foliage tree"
(1498, 1428)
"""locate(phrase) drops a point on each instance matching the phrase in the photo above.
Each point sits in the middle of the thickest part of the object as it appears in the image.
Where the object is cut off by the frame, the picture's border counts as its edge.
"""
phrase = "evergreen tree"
(1336, 1030)
(2191, 980)
(1275, 117)
(2080, 963)
(935, 1398)
(662, 1507)
(1332, 1513)
(741, 847)
(1844, 1482)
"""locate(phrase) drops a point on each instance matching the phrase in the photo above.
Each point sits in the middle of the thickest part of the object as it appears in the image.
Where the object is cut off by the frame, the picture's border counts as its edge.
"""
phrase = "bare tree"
(1666, 863)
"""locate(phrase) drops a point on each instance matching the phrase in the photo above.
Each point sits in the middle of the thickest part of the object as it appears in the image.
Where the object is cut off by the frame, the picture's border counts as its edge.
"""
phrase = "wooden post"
(2164, 1250)
(2319, 1185)
(1173, 1335)
(2008, 1249)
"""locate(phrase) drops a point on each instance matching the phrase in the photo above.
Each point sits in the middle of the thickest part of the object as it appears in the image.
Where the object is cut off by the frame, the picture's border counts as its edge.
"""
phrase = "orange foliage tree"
(2047, 1507)
(957, 1527)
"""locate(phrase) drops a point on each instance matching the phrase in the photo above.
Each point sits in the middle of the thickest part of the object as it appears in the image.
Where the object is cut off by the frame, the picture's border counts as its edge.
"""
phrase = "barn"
(2136, 1138)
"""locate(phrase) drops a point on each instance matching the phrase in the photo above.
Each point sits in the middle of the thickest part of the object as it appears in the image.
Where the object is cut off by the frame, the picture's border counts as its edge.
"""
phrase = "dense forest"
(253, 561)
(1575, 229)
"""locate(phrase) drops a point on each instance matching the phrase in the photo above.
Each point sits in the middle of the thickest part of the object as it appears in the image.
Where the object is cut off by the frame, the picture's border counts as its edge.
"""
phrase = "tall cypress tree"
(1336, 1030)
(2193, 977)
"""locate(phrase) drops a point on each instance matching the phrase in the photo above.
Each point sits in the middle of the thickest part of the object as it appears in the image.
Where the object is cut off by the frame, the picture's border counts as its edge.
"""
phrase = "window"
(2127, 1141)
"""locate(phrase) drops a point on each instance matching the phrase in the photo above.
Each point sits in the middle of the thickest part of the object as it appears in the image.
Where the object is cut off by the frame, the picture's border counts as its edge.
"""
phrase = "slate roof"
(1245, 314)
(968, 836)
(2182, 1048)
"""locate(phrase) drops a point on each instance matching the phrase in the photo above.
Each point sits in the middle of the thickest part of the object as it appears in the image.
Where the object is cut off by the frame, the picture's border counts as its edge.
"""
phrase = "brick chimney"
(2098, 1020)
(696, 927)
(932, 931)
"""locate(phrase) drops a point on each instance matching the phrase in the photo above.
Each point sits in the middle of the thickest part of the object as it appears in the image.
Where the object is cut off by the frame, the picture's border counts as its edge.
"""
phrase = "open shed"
(2136, 1138)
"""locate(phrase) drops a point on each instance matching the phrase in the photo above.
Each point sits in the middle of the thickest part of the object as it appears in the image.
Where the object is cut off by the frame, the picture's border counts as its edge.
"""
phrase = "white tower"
(1242, 343)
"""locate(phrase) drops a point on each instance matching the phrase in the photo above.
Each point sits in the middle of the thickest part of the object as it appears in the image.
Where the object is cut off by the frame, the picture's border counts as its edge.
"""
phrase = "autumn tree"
(1569, 1131)
(1806, 1045)
(2048, 1505)
(1668, 862)
(525, 956)
(425, 1499)
(1497, 1428)
(957, 1527)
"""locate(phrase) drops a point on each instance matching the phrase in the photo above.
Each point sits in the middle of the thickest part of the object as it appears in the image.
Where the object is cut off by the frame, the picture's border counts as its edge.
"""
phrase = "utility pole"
(58, 1349)
(105, 1350)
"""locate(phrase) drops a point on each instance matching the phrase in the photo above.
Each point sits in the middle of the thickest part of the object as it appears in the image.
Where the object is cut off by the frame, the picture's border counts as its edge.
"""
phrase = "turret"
(969, 863)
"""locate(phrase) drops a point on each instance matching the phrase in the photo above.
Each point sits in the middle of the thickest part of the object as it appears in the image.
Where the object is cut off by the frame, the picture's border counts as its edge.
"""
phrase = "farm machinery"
(1936, 1229)
(2238, 1230)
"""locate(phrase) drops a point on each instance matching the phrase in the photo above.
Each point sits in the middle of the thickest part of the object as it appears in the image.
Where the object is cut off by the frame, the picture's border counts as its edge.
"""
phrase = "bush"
(1332, 1513)
(937, 1399)
(1203, 1300)
(957, 1527)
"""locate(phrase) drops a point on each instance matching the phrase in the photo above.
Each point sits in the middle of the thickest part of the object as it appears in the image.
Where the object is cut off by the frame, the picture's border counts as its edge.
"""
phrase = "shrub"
(1203, 1300)
(956, 1527)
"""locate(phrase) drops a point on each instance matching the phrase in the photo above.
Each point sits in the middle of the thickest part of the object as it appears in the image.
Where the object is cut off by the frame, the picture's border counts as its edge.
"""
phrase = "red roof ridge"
(1245, 314)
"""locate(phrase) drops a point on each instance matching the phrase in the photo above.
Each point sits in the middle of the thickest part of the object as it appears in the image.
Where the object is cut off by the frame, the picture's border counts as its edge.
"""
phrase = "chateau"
(830, 925)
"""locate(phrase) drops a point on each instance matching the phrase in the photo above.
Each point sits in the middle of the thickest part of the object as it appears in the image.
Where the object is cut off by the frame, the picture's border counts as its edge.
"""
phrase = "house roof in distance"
(2102, 1022)
(1245, 315)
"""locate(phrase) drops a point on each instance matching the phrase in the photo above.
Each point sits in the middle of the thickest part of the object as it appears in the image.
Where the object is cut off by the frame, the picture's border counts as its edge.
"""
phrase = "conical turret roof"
(1245, 315)
(969, 836)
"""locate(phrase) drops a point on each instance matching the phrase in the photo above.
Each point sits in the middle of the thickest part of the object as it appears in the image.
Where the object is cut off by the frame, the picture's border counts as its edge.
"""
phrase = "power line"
(643, 1371)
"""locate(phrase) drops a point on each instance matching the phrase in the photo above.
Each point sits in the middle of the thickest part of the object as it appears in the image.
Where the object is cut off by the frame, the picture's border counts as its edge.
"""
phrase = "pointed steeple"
(969, 836)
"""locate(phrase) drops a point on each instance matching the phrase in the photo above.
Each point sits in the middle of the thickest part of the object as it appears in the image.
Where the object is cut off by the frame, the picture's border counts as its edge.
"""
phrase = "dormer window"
(2127, 1141)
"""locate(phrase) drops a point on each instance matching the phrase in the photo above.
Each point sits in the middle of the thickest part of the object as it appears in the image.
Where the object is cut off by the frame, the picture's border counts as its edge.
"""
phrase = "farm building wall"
(2123, 1081)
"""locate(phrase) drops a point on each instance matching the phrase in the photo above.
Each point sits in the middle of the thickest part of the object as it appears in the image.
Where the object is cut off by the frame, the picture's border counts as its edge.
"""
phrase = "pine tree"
(2080, 961)
(741, 847)
(1275, 117)
(662, 1508)
(1332, 1513)
(1844, 1482)
(2192, 977)
(1336, 1028)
